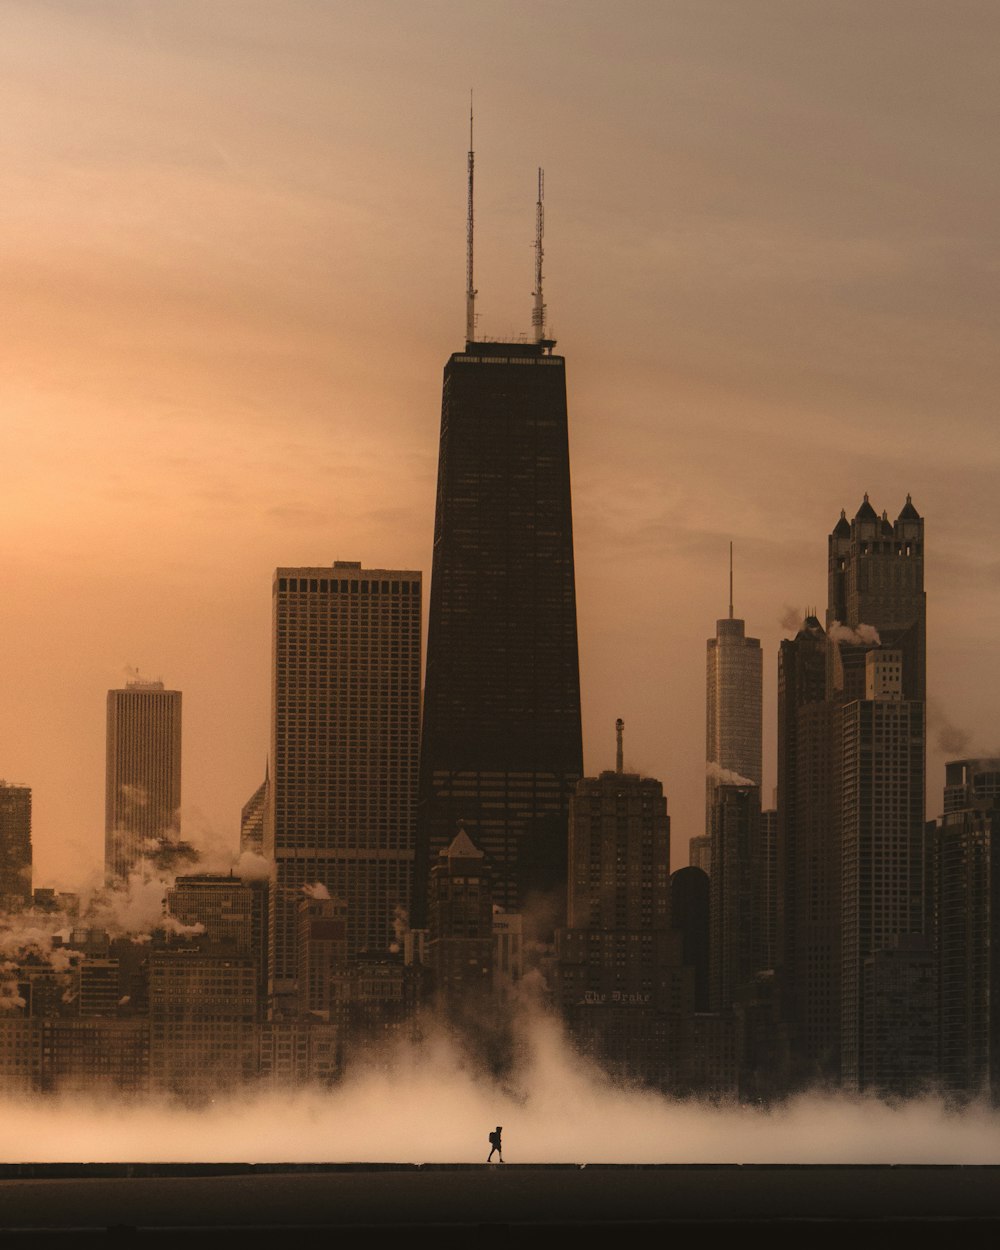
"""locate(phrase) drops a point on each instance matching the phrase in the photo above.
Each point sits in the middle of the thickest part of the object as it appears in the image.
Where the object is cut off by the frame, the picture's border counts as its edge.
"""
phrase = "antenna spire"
(730, 581)
(620, 757)
(470, 290)
(538, 312)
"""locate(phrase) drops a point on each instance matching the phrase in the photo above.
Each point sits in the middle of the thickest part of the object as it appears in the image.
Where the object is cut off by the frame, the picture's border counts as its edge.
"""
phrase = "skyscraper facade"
(733, 722)
(501, 748)
(737, 918)
(883, 897)
(143, 775)
(876, 622)
(15, 846)
(460, 937)
(345, 701)
(852, 848)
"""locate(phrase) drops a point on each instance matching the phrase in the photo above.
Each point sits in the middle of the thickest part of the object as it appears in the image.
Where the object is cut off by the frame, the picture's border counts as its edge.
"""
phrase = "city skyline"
(191, 407)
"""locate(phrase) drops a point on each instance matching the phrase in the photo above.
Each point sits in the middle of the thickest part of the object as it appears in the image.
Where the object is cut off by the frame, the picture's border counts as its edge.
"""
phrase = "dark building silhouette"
(899, 1054)
(809, 867)
(766, 887)
(967, 878)
(876, 579)
(689, 894)
(852, 850)
(15, 847)
(460, 938)
(501, 748)
(876, 618)
(736, 910)
(883, 888)
(621, 983)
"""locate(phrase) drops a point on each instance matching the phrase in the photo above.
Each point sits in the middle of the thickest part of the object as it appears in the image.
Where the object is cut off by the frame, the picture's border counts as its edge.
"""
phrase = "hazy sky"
(233, 266)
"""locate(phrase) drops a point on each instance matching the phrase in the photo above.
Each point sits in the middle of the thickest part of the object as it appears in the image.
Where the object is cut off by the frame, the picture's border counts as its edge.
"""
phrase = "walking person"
(495, 1145)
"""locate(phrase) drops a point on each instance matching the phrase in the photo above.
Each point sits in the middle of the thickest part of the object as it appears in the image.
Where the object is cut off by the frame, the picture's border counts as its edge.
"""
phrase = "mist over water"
(431, 1104)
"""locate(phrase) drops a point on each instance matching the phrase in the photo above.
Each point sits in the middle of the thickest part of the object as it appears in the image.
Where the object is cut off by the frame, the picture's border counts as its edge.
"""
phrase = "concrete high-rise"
(502, 742)
(345, 706)
(143, 775)
(733, 721)
(15, 846)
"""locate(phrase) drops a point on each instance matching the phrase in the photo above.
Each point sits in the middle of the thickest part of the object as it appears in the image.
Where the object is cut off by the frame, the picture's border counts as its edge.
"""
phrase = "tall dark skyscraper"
(501, 749)
(851, 747)
(809, 867)
(876, 618)
(851, 751)
(619, 977)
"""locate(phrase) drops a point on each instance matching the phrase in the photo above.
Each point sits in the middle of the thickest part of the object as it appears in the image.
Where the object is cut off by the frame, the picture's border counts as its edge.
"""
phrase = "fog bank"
(431, 1105)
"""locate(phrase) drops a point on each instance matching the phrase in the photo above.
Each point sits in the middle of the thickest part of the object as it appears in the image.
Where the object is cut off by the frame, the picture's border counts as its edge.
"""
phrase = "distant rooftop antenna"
(620, 757)
(538, 312)
(730, 581)
(470, 290)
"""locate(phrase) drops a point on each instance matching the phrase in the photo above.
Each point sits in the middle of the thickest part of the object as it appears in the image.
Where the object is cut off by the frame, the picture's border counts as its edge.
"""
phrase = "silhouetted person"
(495, 1145)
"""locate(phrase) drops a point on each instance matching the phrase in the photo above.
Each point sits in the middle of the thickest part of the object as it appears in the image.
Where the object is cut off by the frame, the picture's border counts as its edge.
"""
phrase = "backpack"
(494, 1139)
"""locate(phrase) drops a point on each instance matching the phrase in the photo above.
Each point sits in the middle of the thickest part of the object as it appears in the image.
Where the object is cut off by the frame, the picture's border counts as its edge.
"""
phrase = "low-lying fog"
(430, 1105)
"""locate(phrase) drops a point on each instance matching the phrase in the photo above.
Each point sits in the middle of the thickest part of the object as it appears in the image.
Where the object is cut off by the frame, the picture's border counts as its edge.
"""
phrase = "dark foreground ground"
(143, 1202)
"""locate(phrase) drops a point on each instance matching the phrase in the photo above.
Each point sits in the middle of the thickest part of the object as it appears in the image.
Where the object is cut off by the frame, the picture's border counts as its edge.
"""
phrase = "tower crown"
(866, 512)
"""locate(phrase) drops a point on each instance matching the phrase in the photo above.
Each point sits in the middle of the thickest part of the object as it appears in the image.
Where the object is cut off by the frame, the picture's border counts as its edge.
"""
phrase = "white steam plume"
(316, 890)
(863, 636)
(726, 776)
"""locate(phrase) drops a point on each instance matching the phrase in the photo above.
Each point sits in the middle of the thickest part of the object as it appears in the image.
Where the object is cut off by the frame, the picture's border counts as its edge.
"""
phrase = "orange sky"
(233, 266)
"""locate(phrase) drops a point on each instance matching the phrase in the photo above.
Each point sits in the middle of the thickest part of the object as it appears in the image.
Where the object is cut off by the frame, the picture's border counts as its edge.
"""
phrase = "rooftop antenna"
(730, 581)
(538, 312)
(470, 290)
(620, 757)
